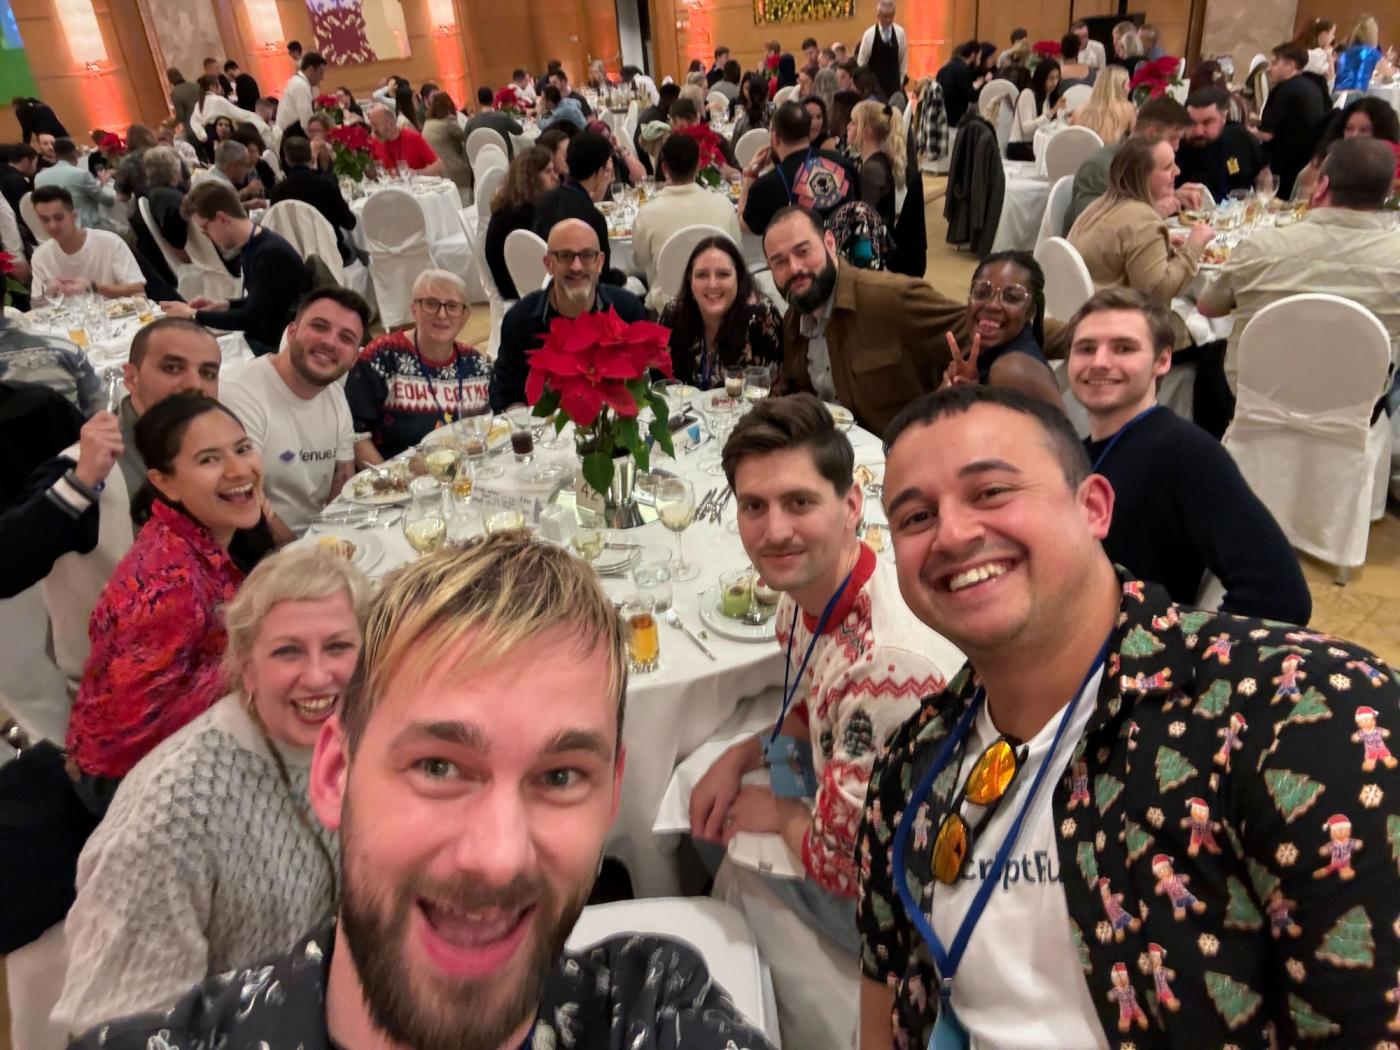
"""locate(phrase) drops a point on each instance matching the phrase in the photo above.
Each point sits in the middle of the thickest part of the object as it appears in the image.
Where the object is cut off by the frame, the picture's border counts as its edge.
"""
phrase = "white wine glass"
(587, 544)
(424, 523)
(720, 416)
(675, 506)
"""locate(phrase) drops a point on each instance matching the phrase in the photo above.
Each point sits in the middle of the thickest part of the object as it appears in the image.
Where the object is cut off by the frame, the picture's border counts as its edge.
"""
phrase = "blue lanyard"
(782, 175)
(1098, 462)
(948, 959)
(428, 377)
(790, 692)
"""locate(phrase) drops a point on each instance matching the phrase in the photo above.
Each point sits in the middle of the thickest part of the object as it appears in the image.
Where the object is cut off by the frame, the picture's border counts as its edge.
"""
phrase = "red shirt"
(157, 644)
(410, 147)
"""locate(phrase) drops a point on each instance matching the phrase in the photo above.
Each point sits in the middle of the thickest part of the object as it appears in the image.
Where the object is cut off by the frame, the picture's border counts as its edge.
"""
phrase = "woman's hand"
(963, 366)
(1201, 234)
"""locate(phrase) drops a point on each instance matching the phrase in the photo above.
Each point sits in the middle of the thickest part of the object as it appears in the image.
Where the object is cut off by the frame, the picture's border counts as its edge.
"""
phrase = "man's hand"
(1191, 195)
(104, 176)
(760, 161)
(184, 310)
(715, 793)
(69, 286)
(758, 810)
(99, 448)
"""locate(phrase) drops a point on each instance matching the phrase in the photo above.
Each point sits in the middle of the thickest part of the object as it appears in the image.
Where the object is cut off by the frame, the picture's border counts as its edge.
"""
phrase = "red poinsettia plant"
(11, 286)
(1046, 48)
(508, 101)
(1153, 78)
(594, 371)
(711, 154)
(329, 104)
(351, 143)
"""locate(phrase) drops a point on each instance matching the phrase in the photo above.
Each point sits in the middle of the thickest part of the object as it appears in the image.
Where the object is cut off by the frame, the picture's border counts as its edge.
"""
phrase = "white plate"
(725, 627)
(386, 499)
(497, 439)
(369, 548)
(841, 416)
(616, 562)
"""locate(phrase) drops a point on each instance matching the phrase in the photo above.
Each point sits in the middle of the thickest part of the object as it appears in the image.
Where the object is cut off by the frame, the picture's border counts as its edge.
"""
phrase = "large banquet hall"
(825, 524)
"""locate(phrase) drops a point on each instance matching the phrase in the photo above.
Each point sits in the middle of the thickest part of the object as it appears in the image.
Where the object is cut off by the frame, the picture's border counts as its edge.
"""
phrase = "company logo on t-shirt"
(1040, 867)
(821, 184)
(312, 455)
(288, 456)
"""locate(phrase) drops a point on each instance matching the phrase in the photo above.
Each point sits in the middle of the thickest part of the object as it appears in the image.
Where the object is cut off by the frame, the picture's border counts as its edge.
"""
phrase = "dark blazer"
(976, 187)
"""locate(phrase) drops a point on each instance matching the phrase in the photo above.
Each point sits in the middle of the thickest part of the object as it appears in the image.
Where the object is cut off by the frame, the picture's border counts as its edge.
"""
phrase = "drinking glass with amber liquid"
(643, 635)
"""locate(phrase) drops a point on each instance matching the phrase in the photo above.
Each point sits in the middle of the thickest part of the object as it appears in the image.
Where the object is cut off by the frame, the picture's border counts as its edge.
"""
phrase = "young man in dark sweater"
(274, 276)
(1181, 507)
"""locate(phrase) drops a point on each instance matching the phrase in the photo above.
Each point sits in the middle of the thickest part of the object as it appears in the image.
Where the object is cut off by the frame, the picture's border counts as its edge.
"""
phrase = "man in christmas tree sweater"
(858, 663)
(1196, 844)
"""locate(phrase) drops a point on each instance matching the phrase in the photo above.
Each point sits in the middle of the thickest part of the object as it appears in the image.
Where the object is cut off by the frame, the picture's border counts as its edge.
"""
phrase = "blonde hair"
(298, 574)
(696, 94)
(1128, 178)
(1103, 113)
(1131, 44)
(438, 278)
(877, 117)
(497, 594)
(1366, 32)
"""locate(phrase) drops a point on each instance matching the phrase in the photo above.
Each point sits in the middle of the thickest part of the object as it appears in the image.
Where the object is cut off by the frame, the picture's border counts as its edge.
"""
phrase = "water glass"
(643, 633)
(734, 383)
(720, 416)
(464, 524)
(505, 521)
(758, 381)
(522, 441)
(652, 574)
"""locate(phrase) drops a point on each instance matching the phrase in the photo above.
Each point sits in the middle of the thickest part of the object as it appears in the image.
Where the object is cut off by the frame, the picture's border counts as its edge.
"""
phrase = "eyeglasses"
(1011, 294)
(986, 785)
(588, 256)
(450, 307)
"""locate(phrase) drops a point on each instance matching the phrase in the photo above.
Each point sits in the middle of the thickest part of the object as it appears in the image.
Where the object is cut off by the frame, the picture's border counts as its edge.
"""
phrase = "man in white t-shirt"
(858, 662)
(1091, 52)
(293, 406)
(1102, 833)
(78, 260)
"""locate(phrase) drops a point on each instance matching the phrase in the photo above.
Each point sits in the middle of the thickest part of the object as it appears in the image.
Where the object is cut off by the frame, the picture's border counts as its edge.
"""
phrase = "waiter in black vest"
(885, 50)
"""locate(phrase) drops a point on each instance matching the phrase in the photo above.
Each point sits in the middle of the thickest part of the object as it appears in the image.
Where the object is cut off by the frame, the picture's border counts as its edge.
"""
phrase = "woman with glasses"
(1005, 322)
(407, 384)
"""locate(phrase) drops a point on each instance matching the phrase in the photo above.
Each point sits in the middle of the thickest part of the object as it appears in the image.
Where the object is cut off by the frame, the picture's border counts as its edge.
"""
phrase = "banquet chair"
(629, 123)
(486, 190)
(783, 95)
(675, 254)
(1310, 370)
(1068, 150)
(480, 139)
(997, 103)
(31, 219)
(1067, 281)
(525, 251)
(1056, 208)
(1076, 97)
(488, 157)
(716, 930)
(189, 281)
(218, 282)
(396, 235)
(717, 102)
(750, 142)
(310, 233)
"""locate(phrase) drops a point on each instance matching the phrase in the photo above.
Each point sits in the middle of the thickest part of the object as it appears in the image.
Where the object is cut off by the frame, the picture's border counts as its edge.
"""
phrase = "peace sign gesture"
(963, 367)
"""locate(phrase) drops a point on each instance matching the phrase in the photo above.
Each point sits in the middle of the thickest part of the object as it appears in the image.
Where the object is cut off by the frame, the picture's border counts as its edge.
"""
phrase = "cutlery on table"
(673, 618)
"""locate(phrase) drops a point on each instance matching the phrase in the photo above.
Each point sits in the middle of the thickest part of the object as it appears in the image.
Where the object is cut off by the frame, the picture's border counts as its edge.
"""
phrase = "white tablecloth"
(1387, 93)
(1022, 207)
(1043, 135)
(440, 203)
(676, 708)
(116, 348)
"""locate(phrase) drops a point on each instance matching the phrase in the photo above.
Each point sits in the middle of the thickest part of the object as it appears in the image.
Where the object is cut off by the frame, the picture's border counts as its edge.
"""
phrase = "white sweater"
(200, 865)
(1026, 121)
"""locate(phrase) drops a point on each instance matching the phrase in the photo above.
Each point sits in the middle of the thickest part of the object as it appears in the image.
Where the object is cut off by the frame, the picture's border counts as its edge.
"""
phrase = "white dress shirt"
(296, 105)
(212, 106)
(1093, 55)
(867, 42)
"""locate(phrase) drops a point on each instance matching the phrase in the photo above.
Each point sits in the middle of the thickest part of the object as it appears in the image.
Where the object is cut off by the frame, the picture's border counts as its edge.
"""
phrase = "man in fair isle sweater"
(857, 664)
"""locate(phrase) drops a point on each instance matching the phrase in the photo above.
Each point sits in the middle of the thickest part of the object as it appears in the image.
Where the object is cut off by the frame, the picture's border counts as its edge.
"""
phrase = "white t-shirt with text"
(104, 258)
(301, 441)
(1020, 985)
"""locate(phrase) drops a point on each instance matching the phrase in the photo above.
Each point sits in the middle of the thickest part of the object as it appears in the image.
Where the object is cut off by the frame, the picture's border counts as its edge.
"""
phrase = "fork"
(673, 618)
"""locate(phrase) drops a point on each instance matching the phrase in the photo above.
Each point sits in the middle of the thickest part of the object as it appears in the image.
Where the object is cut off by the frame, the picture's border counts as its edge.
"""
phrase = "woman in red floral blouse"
(157, 632)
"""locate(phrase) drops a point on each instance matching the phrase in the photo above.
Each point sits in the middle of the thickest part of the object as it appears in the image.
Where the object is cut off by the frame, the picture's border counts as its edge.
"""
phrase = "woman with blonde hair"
(210, 857)
(1108, 113)
(1358, 62)
(883, 161)
(1123, 235)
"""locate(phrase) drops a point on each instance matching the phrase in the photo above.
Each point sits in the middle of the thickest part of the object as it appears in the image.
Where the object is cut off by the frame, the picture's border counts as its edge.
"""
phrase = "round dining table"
(107, 341)
(437, 198)
(676, 708)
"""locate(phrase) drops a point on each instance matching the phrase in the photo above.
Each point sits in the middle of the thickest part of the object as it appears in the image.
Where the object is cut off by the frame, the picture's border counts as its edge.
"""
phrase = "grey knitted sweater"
(201, 865)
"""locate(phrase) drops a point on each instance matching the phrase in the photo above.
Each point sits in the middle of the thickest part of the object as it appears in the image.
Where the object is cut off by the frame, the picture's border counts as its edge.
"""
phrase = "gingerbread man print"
(1079, 785)
(1119, 918)
(1202, 828)
(1393, 996)
(1122, 993)
(1374, 675)
(1338, 849)
(1231, 741)
(1287, 682)
(1372, 739)
(1279, 909)
(1161, 975)
(1220, 646)
(1173, 887)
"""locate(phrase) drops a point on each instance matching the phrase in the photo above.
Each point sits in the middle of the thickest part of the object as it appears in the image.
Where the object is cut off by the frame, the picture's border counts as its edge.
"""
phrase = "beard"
(823, 284)
(579, 294)
(302, 366)
(440, 1013)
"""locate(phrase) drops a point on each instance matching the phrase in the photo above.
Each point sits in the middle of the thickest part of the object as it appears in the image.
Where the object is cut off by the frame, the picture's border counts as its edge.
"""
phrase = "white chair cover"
(996, 90)
(750, 142)
(525, 251)
(481, 138)
(306, 230)
(717, 102)
(629, 123)
(218, 282)
(397, 239)
(476, 291)
(1068, 150)
(189, 282)
(675, 254)
(31, 219)
(783, 95)
(1311, 368)
(714, 929)
(488, 157)
(1056, 208)
(1067, 281)
(1076, 97)
(486, 190)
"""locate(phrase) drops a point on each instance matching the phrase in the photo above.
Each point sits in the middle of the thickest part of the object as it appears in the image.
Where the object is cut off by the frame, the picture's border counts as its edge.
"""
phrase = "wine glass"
(675, 506)
(720, 416)
(424, 524)
(587, 544)
(1266, 187)
(403, 171)
(758, 381)
(478, 442)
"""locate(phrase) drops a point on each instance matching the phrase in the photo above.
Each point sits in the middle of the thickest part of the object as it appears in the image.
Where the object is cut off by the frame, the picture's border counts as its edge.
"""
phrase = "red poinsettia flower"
(1047, 48)
(1156, 75)
(111, 143)
(507, 98)
(589, 360)
(326, 102)
(711, 153)
(7, 264)
(351, 137)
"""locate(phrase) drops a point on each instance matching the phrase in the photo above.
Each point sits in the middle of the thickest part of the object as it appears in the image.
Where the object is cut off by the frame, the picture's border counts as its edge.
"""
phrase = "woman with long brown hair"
(530, 176)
